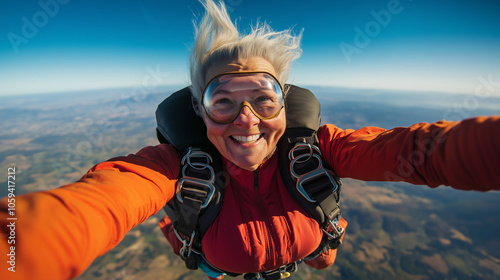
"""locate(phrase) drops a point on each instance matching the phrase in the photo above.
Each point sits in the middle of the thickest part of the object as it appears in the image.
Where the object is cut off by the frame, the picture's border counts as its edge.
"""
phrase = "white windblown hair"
(217, 40)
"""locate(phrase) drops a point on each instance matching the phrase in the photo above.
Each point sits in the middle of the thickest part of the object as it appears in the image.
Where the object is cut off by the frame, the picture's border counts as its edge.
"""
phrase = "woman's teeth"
(246, 139)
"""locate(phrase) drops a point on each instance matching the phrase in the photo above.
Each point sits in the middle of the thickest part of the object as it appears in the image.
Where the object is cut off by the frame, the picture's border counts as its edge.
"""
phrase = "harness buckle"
(198, 185)
(195, 182)
(315, 173)
(312, 176)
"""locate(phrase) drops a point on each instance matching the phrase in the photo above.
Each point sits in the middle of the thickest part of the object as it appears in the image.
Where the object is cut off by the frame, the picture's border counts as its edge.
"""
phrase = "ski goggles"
(225, 96)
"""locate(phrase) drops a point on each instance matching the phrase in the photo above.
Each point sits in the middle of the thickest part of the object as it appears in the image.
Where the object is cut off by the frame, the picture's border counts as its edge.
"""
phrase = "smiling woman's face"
(248, 140)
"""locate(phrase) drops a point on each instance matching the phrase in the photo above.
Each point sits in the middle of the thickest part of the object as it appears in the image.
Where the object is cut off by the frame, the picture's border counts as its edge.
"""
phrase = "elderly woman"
(238, 86)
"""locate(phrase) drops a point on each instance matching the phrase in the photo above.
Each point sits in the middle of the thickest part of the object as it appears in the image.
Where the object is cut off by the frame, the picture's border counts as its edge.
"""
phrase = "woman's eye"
(222, 101)
(262, 99)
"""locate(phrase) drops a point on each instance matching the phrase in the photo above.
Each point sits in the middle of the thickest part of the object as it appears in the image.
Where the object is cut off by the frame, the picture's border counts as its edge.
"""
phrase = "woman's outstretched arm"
(464, 155)
(59, 232)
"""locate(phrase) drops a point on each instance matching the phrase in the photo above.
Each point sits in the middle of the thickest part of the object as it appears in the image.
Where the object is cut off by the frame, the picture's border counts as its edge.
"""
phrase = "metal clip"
(186, 245)
(303, 146)
(283, 273)
(337, 230)
(196, 153)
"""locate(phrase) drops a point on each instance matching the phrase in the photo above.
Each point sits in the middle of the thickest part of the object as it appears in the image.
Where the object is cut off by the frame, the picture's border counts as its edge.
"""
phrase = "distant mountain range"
(396, 230)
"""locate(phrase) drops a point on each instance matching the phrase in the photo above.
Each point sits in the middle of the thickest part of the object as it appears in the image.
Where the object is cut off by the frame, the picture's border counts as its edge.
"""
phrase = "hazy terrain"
(396, 230)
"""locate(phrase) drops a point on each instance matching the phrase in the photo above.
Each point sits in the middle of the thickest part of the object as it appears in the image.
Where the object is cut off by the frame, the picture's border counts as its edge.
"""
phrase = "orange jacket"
(58, 233)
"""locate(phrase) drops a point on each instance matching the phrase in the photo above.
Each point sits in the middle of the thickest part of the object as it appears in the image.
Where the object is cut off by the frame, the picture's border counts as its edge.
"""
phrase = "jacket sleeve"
(327, 258)
(464, 155)
(59, 232)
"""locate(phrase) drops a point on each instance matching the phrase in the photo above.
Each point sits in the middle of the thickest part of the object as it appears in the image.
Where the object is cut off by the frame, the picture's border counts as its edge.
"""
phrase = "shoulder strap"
(300, 155)
(305, 174)
(201, 183)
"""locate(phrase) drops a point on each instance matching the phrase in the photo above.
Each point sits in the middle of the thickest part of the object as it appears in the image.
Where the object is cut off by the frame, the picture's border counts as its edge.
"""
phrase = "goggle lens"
(227, 94)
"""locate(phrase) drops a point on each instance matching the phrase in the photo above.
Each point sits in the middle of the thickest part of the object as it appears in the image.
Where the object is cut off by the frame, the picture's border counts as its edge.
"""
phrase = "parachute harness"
(194, 192)
(318, 185)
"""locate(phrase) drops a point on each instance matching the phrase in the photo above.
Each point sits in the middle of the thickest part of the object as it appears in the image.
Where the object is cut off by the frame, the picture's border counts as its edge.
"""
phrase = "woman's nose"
(246, 118)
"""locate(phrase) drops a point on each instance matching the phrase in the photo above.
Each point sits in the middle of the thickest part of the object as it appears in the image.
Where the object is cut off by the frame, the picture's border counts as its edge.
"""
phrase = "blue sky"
(420, 45)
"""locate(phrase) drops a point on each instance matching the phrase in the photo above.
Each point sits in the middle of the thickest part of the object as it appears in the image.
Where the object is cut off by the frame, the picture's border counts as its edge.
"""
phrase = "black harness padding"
(201, 184)
(303, 120)
(178, 123)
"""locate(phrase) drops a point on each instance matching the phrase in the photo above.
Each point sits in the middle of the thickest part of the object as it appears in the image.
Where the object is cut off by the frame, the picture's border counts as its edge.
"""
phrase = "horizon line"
(181, 85)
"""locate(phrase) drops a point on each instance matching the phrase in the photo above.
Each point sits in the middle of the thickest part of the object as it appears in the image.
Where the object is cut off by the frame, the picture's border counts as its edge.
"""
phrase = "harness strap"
(186, 224)
(318, 186)
(194, 192)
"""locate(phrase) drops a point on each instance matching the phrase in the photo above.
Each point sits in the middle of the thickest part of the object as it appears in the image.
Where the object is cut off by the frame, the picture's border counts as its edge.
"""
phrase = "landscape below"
(396, 230)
